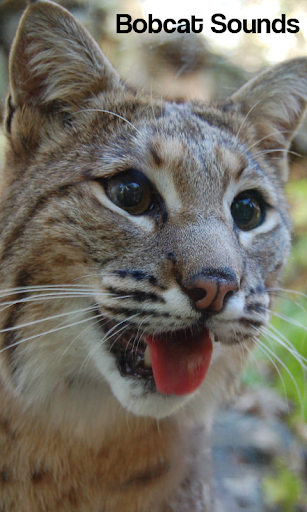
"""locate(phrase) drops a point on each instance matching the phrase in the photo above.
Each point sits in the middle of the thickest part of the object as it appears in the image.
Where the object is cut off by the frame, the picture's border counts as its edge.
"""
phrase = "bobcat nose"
(211, 291)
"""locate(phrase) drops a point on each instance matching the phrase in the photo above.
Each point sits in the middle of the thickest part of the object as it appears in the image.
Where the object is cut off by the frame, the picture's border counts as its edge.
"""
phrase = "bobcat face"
(193, 267)
(140, 238)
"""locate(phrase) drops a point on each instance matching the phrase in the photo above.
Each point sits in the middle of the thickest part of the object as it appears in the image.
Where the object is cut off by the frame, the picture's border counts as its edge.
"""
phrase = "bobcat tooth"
(147, 358)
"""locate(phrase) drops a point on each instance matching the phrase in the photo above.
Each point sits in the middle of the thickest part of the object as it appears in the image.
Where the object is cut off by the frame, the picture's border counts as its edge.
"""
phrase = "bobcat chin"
(140, 242)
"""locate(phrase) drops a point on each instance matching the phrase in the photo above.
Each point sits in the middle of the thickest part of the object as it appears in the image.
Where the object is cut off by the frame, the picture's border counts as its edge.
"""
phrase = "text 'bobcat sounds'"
(125, 25)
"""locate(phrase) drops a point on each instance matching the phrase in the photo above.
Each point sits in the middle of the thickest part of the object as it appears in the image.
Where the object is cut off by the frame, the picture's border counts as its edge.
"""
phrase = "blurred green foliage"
(283, 488)
(282, 363)
(284, 360)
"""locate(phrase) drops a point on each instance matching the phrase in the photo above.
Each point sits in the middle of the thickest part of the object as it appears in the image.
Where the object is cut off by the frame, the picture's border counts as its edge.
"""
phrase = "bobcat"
(140, 241)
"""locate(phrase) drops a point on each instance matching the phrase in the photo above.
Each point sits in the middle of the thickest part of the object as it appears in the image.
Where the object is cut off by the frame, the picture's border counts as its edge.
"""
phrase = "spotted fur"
(77, 270)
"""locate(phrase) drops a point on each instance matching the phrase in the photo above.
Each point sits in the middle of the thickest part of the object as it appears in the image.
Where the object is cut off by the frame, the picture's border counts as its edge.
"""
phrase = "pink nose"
(210, 292)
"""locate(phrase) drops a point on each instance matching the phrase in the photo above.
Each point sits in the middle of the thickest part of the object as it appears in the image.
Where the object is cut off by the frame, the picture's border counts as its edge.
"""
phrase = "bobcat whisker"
(254, 360)
(285, 317)
(46, 319)
(290, 320)
(267, 151)
(57, 287)
(298, 304)
(284, 342)
(263, 349)
(246, 117)
(52, 295)
(153, 111)
(82, 332)
(56, 329)
(118, 334)
(93, 307)
(44, 297)
(279, 336)
(95, 322)
(137, 338)
(107, 336)
(45, 292)
(107, 112)
(53, 317)
(241, 345)
(259, 343)
(133, 337)
(113, 332)
(287, 290)
(266, 137)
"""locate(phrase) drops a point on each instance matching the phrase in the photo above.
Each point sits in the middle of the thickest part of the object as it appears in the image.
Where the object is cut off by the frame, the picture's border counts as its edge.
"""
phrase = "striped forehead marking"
(168, 151)
(233, 161)
(168, 157)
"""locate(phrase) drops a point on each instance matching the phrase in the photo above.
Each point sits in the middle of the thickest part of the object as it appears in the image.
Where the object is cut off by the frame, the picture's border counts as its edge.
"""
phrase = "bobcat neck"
(136, 457)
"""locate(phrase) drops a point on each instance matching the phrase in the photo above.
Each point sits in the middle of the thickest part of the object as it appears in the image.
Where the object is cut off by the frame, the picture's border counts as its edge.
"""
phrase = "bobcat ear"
(53, 58)
(274, 102)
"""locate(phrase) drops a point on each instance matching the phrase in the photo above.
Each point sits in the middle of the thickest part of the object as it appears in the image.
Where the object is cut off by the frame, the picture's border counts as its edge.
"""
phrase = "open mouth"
(133, 357)
(173, 363)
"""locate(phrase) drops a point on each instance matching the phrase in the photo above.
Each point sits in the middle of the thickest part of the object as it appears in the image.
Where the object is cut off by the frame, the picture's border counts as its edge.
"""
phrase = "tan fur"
(49, 476)
(76, 435)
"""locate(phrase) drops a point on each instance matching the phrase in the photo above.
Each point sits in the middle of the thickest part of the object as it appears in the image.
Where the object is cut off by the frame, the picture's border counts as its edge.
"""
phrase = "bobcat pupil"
(246, 211)
(129, 194)
(131, 191)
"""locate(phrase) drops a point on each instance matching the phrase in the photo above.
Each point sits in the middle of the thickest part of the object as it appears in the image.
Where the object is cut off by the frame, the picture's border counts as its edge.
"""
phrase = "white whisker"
(266, 137)
(45, 319)
(290, 320)
(266, 352)
(254, 360)
(56, 329)
(246, 117)
(107, 112)
(264, 152)
(81, 333)
(286, 290)
(284, 342)
(112, 332)
(58, 287)
(50, 296)
(260, 343)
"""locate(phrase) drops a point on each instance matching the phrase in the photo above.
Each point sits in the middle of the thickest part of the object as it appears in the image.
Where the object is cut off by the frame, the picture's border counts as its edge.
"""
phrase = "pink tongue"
(180, 361)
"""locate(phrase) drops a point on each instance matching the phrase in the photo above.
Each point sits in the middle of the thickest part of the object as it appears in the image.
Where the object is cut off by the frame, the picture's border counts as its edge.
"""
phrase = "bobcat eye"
(131, 191)
(247, 210)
